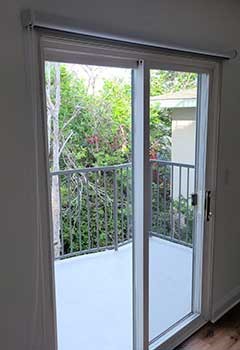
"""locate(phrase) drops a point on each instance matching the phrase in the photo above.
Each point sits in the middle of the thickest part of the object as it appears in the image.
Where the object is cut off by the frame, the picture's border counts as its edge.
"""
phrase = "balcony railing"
(92, 207)
(172, 210)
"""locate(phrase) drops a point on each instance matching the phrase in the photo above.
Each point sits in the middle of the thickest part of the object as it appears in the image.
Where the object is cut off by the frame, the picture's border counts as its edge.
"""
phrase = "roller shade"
(38, 20)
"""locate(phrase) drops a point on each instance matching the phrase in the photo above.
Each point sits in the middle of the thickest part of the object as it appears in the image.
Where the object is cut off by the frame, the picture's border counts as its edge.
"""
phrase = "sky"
(100, 73)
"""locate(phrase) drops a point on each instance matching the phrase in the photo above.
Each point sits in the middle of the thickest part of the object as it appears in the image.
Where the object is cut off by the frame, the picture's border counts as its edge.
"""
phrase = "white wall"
(167, 21)
(183, 135)
(227, 237)
(183, 148)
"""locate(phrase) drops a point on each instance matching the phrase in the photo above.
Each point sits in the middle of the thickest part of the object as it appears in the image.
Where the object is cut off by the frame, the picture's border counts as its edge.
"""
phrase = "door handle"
(194, 199)
(208, 205)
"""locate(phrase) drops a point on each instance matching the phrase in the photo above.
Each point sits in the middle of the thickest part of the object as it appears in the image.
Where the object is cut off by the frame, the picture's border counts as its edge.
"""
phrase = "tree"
(90, 126)
(53, 107)
(164, 81)
(58, 104)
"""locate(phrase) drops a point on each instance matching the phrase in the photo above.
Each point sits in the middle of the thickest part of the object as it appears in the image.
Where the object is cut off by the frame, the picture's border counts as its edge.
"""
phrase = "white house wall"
(183, 147)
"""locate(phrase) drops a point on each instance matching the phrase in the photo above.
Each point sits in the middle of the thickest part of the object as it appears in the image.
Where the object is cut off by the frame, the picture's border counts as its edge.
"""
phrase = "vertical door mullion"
(142, 205)
(200, 174)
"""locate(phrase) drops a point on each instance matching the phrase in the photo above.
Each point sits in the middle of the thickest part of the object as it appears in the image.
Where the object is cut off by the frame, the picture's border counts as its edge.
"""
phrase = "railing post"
(115, 208)
(151, 200)
(128, 206)
(179, 203)
(70, 211)
(105, 208)
(61, 219)
(172, 204)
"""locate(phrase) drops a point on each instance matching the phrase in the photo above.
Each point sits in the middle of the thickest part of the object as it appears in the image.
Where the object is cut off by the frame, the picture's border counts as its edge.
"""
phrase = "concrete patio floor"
(94, 295)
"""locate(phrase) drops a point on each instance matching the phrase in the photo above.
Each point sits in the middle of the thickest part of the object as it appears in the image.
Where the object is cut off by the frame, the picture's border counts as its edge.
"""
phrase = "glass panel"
(89, 139)
(173, 113)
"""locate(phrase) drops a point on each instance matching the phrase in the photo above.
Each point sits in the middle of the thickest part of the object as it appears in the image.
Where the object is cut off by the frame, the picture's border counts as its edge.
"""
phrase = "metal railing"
(172, 210)
(92, 207)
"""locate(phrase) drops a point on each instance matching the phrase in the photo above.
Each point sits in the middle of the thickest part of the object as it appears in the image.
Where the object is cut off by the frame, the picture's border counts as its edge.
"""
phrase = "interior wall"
(201, 24)
(226, 277)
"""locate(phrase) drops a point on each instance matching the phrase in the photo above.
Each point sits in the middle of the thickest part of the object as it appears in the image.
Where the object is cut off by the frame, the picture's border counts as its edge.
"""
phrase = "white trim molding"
(226, 303)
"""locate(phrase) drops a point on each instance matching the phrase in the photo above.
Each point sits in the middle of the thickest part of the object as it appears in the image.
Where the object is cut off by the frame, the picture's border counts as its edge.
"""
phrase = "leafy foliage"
(95, 130)
(163, 81)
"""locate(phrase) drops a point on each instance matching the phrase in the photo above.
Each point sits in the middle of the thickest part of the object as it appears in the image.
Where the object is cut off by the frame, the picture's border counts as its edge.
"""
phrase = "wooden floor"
(223, 335)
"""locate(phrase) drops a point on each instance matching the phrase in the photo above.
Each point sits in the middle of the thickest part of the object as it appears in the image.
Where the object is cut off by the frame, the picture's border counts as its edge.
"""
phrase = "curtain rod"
(36, 20)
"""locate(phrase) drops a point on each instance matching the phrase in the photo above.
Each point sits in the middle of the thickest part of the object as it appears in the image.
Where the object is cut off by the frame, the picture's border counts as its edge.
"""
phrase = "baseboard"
(226, 304)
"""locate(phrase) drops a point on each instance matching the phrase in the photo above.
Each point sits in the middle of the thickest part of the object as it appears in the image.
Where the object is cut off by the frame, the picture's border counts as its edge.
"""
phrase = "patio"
(94, 295)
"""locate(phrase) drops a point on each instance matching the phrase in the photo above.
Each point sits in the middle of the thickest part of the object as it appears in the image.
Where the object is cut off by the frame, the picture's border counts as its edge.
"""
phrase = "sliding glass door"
(90, 161)
(174, 196)
(128, 142)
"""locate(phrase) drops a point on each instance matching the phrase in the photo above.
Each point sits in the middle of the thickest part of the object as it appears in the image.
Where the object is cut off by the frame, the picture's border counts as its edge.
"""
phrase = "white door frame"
(206, 173)
(70, 49)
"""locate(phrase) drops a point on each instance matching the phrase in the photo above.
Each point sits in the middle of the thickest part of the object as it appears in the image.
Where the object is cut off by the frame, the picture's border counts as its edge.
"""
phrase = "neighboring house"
(183, 105)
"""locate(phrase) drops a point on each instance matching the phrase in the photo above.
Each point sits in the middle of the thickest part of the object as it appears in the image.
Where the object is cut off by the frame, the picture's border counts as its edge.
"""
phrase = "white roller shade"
(35, 19)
